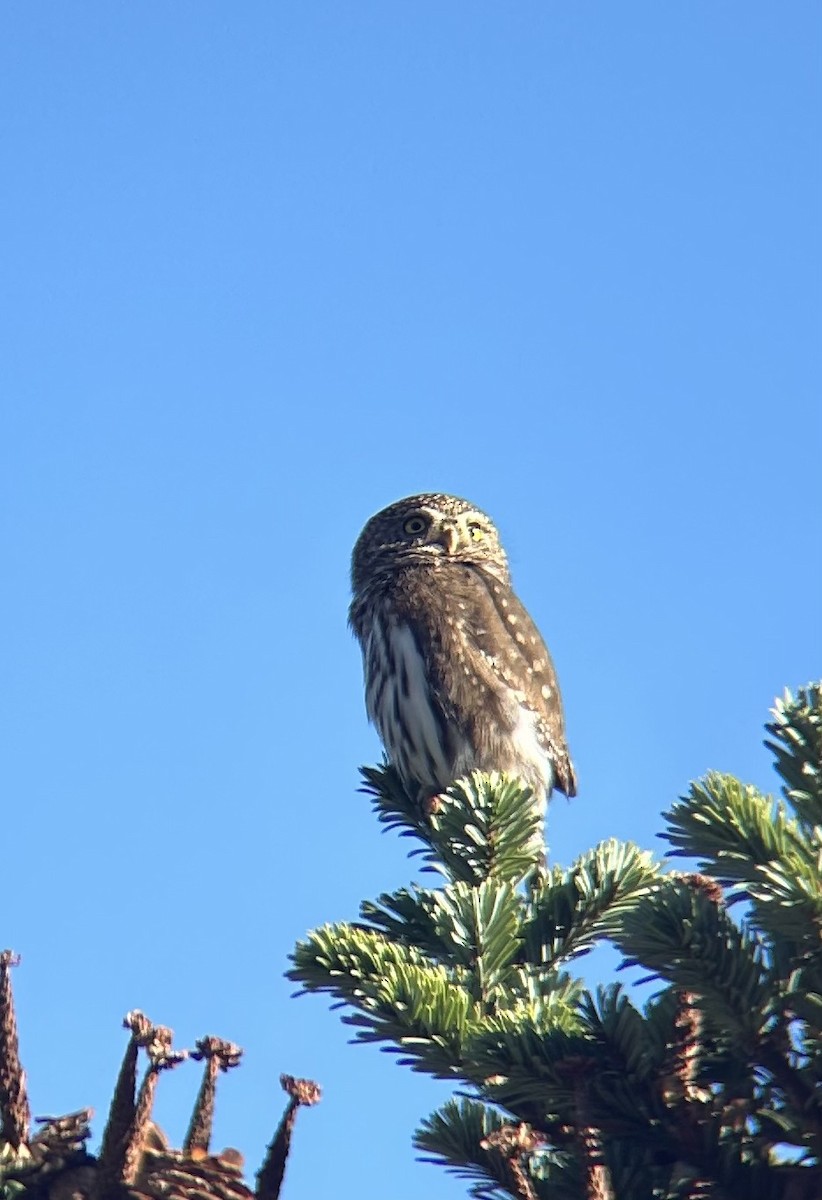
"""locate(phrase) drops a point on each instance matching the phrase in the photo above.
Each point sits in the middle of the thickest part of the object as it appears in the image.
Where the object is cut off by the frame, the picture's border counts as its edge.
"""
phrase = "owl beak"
(447, 536)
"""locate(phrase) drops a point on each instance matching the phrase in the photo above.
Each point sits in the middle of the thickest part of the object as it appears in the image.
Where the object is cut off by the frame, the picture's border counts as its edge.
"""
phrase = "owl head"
(425, 529)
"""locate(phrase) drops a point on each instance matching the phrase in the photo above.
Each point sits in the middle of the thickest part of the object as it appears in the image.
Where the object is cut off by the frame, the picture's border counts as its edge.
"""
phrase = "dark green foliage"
(688, 938)
(712, 1089)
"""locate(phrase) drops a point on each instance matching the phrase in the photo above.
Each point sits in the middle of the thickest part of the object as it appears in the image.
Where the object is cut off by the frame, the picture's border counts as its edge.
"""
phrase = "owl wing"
(525, 665)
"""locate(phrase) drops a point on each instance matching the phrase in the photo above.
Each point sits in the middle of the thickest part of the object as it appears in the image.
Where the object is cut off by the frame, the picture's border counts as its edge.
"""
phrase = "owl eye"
(415, 525)
(477, 532)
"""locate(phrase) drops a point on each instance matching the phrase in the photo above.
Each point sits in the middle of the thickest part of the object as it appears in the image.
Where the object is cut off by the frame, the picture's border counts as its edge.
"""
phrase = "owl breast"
(400, 703)
(436, 730)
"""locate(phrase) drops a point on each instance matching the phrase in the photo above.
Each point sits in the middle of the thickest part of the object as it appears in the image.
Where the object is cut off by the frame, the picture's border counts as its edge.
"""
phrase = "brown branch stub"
(679, 1081)
(588, 1136)
(15, 1113)
(118, 1136)
(231, 1158)
(173, 1175)
(64, 1136)
(219, 1056)
(702, 883)
(516, 1143)
(301, 1092)
(161, 1058)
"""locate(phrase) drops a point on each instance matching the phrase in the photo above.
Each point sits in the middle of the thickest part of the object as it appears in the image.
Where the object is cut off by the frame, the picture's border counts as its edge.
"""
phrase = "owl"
(457, 676)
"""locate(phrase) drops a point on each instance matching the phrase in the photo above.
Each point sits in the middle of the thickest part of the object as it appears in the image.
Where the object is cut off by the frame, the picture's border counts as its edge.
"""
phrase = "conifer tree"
(711, 1089)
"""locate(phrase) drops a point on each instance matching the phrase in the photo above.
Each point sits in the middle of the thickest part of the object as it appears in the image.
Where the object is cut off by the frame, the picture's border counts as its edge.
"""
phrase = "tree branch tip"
(228, 1054)
(166, 1059)
(302, 1091)
(139, 1026)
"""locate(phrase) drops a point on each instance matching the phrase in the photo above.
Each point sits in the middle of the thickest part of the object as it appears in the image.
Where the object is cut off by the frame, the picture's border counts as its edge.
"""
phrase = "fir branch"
(536, 989)
(553, 1008)
(748, 842)
(521, 1064)
(683, 933)
(733, 830)
(621, 1051)
(637, 1043)
(476, 928)
(406, 917)
(797, 748)
(573, 909)
(787, 902)
(481, 826)
(479, 929)
(461, 1137)
(423, 1010)
(346, 960)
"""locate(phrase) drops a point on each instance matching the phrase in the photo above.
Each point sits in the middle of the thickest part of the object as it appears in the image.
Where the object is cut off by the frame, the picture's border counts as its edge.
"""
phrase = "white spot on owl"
(529, 746)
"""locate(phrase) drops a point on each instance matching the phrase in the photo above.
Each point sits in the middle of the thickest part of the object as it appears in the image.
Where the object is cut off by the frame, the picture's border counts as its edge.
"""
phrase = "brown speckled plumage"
(457, 676)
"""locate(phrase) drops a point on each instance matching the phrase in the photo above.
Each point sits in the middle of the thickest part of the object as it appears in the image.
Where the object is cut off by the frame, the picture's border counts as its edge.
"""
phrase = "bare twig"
(161, 1058)
(112, 1157)
(219, 1056)
(516, 1143)
(270, 1175)
(15, 1113)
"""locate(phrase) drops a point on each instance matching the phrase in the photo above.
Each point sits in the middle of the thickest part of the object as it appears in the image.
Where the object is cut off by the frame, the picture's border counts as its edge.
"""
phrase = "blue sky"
(266, 268)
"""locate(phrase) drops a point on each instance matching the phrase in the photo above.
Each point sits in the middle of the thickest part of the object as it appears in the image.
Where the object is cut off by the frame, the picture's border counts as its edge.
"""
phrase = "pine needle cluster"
(711, 1089)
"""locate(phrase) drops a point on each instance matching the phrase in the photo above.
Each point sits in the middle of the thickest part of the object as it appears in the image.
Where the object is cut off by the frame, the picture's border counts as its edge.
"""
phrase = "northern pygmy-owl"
(457, 676)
